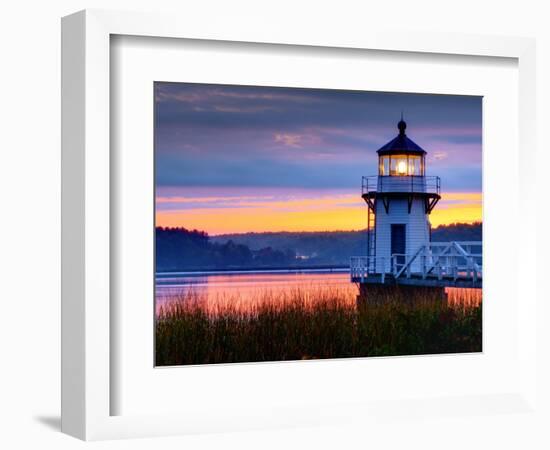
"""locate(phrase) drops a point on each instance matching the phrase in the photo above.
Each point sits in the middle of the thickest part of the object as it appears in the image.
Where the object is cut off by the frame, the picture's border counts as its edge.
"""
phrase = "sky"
(236, 159)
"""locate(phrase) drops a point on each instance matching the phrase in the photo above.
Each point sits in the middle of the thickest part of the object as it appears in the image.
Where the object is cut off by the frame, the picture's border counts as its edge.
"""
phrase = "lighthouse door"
(398, 242)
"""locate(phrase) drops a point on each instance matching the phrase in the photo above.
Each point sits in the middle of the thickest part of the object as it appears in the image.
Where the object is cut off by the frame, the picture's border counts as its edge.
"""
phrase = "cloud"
(247, 210)
(196, 92)
(439, 156)
(215, 135)
(290, 140)
(296, 140)
(313, 200)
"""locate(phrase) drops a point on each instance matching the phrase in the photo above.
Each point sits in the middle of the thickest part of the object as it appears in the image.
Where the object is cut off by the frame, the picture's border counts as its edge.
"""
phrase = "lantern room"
(401, 156)
(400, 165)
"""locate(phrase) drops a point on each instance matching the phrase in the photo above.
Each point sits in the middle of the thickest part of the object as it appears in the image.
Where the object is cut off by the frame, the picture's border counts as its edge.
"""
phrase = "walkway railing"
(437, 260)
(363, 266)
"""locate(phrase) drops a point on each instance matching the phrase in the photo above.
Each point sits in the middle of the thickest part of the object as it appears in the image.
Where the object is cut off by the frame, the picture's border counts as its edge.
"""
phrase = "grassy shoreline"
(301, 327)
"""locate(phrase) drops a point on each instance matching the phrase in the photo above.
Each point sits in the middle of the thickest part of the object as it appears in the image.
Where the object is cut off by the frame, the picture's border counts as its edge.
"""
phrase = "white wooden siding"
(416, 224)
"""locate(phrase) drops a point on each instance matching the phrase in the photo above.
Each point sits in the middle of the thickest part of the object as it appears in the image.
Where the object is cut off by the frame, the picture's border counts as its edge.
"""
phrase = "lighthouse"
(400, 255)
(399, 199)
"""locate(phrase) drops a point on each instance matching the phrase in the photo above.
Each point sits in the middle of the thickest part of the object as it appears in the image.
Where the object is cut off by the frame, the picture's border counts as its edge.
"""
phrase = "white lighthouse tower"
(400, 199)
(401, 260)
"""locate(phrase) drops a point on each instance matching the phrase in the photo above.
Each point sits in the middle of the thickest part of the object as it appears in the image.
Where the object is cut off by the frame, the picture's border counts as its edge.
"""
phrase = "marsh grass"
(306, 325)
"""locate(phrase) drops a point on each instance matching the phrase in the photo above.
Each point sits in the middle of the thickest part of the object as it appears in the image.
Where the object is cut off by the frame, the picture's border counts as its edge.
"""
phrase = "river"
(244, 290)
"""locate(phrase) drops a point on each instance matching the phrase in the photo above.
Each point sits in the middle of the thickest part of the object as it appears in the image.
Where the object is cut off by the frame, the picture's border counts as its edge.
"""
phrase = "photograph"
(296, 223)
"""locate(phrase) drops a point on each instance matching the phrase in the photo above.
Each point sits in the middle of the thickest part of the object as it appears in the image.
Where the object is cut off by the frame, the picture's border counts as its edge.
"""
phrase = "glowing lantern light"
(402, 167)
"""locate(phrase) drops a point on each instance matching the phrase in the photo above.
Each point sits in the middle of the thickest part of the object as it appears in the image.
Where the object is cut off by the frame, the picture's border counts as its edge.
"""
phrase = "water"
(245, 290)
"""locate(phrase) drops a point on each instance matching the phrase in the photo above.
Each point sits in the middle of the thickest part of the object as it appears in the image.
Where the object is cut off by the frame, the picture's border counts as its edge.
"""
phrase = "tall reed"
(327, 325)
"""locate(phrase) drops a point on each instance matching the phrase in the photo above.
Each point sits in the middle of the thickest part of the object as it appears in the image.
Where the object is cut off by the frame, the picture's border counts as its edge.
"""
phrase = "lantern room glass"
(401, 165)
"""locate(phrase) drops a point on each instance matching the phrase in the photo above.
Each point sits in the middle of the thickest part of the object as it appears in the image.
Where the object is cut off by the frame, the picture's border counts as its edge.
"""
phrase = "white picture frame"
(87, 386)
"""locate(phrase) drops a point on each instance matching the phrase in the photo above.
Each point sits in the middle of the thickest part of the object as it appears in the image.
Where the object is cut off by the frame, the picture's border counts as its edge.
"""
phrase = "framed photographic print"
(265, 229)
(271, 245)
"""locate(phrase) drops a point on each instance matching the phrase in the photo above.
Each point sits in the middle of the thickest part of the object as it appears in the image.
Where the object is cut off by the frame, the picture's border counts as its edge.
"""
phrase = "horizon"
(239, 159)
(362, 230)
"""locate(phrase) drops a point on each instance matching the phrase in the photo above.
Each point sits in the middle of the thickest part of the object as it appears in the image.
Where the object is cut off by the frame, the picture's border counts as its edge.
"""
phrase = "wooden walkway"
(441, 264)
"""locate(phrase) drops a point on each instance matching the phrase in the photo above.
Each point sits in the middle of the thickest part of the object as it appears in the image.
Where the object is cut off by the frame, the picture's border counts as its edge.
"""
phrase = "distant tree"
(234, 254)
(270, 257)
(174, 245)
(458, 232)
(183, 249)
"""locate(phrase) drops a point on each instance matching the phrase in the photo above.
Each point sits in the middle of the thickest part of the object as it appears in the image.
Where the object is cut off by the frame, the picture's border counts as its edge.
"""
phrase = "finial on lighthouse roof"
(402, 125)
(401, 143)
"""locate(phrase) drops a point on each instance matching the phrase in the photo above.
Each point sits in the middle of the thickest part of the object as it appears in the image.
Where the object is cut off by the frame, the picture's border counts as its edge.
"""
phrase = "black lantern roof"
(401, 144)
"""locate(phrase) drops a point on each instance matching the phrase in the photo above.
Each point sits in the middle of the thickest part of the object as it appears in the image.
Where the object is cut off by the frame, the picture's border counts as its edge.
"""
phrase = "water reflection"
(244, 292)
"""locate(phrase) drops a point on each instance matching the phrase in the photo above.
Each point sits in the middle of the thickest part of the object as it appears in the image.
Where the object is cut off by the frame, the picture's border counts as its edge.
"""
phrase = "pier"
(436, 264)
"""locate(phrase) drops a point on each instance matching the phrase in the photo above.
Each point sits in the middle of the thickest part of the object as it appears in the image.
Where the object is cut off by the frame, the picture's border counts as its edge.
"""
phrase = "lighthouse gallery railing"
(401, 184)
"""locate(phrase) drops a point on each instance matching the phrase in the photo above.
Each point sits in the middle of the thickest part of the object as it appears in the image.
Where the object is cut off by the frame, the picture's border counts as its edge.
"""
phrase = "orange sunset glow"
(327, 213)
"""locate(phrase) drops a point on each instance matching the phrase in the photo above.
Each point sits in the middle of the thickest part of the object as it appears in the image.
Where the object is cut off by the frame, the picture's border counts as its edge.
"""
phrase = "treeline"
(335, 247)
(458, 232)
(322, 248)
(182, 249)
